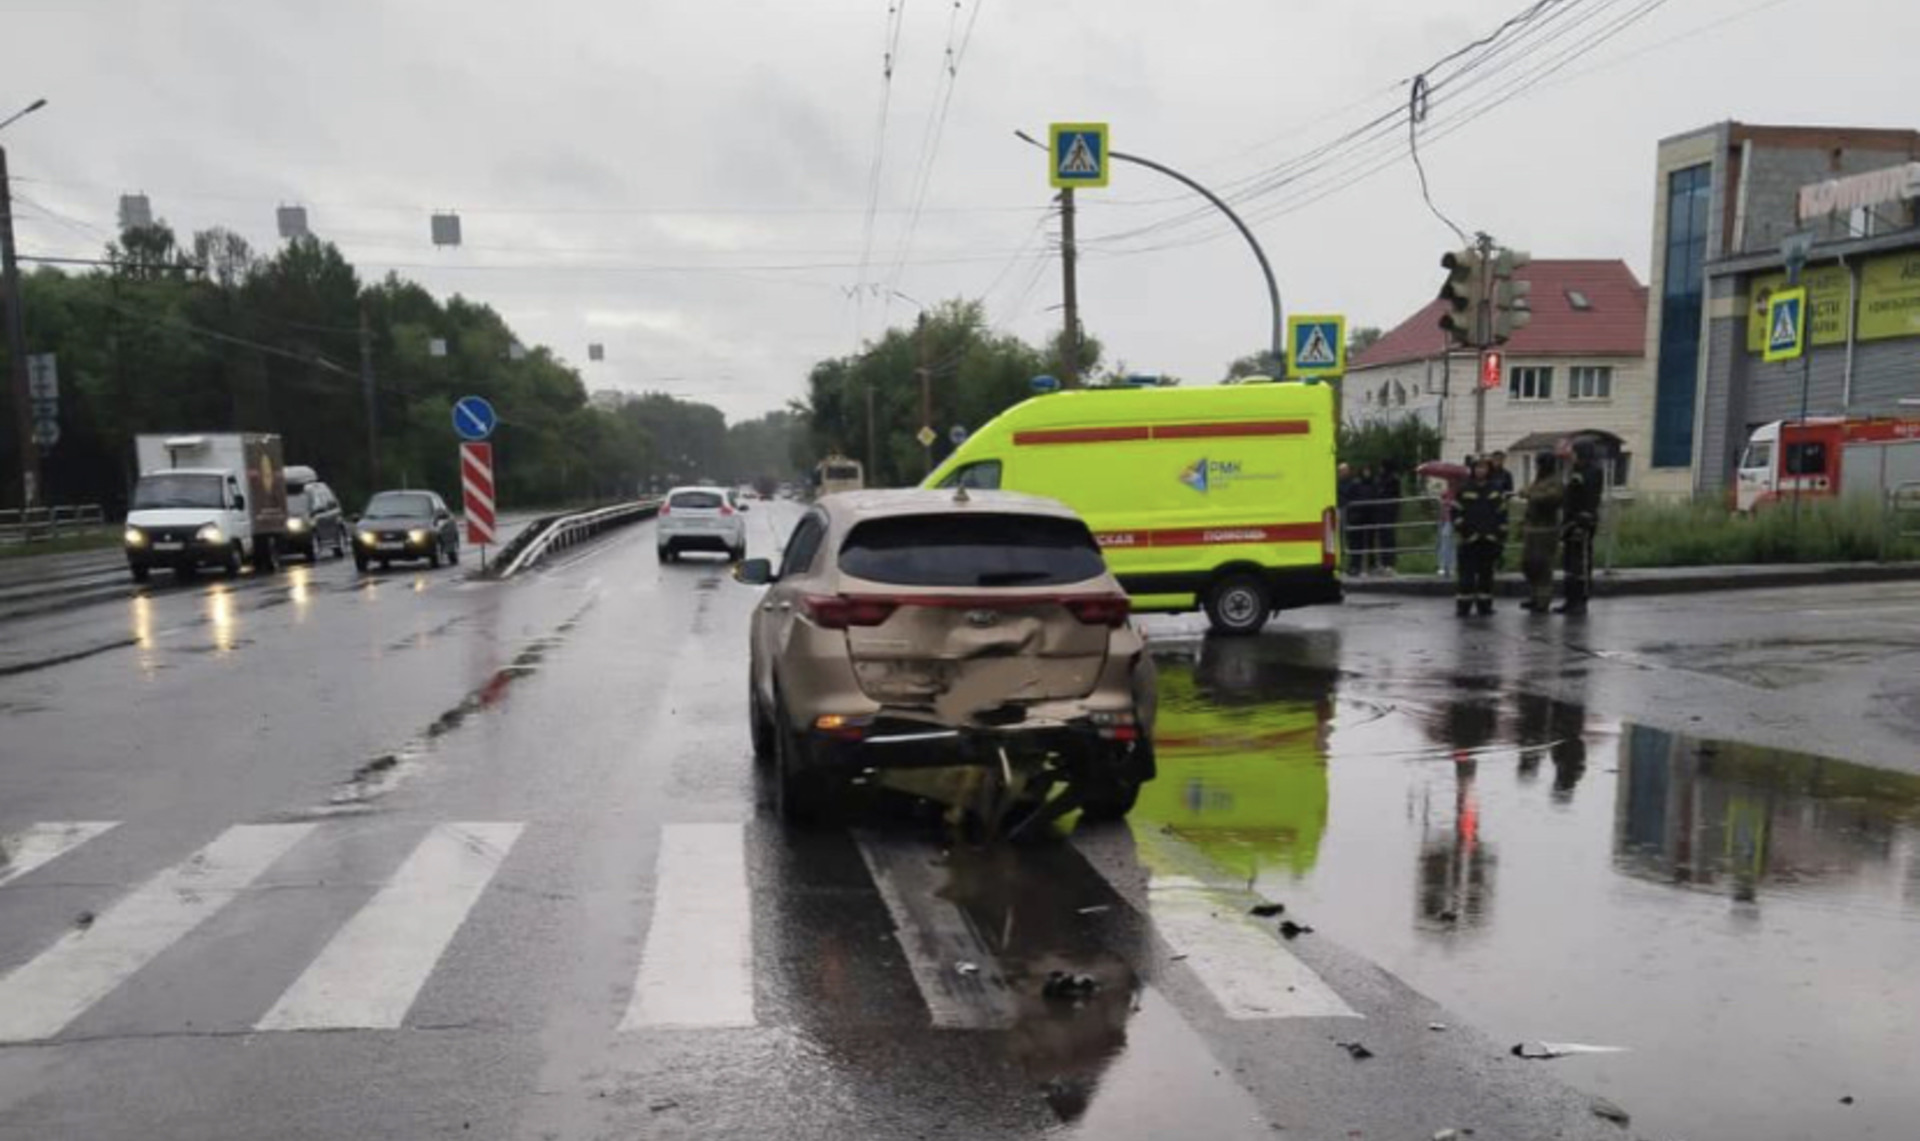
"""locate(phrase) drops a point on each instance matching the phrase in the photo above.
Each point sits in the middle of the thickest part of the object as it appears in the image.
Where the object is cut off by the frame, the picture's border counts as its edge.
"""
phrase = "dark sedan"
(404, 526)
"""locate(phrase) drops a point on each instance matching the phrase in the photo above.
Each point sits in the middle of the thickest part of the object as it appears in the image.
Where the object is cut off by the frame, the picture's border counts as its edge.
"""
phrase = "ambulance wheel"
(1238, 604)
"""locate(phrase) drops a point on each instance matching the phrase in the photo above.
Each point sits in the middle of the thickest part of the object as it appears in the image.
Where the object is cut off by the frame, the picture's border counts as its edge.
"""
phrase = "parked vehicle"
(406, 526)
(213, 499)
(967, 648)
(1219, 498)
(314, 518)
(1827, 456)
(700, 519)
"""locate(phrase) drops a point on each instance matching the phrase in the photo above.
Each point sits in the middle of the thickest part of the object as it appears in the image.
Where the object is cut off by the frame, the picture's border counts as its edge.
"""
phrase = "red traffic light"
(1490, 365)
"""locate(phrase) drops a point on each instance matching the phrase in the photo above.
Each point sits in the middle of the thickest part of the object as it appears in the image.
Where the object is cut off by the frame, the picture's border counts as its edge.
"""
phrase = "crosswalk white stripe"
(696, 970)
(1239, 959)
(36, 844)
(39, 998)
(370, 972)
(936, 936)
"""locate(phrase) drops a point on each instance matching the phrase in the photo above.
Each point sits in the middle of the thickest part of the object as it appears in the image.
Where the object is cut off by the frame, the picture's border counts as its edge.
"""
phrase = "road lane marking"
(938, 938)
(1238, 958)
(696, 970)
(38, 844)
(39, 998)
(368, 975)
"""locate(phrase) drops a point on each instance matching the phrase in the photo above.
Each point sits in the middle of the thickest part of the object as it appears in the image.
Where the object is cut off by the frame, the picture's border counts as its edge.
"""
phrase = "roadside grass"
(1652, 534)
(97, 539)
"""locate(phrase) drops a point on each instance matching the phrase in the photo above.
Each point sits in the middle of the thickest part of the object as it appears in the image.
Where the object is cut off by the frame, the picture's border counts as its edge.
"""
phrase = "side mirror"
(753, 572)
(239, 503)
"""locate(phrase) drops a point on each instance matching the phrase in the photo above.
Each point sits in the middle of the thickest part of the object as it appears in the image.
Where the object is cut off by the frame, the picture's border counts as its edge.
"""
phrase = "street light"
(1277, 349)
(17, 326)
(23, 112)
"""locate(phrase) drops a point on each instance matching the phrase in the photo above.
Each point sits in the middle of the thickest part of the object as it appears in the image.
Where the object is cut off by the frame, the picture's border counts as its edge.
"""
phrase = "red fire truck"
(1825, 457)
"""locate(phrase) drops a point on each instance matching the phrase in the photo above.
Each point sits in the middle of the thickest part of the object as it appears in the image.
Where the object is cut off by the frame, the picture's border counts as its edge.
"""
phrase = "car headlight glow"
(210, 534)
(135, 537)
(368, 538)
(417, 537)
(296, 525)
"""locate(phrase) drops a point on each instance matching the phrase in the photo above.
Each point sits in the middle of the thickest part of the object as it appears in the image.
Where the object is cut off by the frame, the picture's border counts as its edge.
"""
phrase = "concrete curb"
(1661, 580)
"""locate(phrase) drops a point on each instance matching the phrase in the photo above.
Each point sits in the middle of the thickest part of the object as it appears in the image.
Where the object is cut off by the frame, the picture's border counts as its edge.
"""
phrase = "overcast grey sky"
(648, 173)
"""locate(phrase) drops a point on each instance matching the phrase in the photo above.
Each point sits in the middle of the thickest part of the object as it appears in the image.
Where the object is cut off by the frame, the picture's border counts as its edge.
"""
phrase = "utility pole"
(1483, 339)
(926, 388)
(17, 344)
(1069, 344)
(873, 453)
(366, 395)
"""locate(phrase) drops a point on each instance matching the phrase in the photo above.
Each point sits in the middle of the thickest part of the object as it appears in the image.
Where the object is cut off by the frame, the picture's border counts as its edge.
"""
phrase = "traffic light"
(1463, 292)
(1511, 309)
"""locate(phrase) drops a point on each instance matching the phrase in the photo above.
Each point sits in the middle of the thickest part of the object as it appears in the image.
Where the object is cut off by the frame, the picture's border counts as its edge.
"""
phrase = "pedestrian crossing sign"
(1079, 154)
(1786, 324)
(1316, 345)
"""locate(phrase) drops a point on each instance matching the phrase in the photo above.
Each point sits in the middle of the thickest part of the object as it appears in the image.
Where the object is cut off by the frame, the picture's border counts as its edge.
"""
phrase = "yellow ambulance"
(1218, 498)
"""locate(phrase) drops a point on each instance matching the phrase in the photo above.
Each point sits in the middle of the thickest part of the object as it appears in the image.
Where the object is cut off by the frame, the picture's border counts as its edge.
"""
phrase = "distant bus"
(838, 473)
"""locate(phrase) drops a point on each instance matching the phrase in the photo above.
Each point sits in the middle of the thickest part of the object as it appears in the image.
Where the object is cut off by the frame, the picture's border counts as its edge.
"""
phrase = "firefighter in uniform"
(1579, 520)
(1542, 537)
(1480, 523)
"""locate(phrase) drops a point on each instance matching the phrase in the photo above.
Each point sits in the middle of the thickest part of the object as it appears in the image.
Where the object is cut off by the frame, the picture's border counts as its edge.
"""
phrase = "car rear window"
(695, 501)
(971, 550)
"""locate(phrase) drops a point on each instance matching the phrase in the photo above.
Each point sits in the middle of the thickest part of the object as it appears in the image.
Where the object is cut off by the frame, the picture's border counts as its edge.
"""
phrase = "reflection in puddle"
(1570, 878)
(142, 611)
(221, 615)
(300, 591)
(1241, 744)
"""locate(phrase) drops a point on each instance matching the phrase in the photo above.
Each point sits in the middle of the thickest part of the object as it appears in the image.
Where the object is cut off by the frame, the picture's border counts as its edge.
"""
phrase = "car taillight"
(839, 611)
(1330, 537)
(1101, 609)
(725, 510)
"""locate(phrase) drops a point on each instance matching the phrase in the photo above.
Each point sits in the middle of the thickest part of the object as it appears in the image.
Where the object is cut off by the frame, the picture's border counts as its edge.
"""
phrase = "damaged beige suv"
(969, 648)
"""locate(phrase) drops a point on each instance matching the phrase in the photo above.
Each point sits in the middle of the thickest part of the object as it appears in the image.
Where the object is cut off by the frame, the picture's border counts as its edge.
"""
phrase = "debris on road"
(1847, 1100)
(1359, 1052)
(83, 920)
(1267, 910)
(1094, 909)
(1603, 1108)
(1069, 987)
(1542, 1051)
(967, 968)
(659, 1104)
(1436, 1026)
(1289, 929)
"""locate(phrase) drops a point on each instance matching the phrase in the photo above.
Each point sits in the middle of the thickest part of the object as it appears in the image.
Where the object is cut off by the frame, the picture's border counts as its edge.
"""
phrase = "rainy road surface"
(312, 855)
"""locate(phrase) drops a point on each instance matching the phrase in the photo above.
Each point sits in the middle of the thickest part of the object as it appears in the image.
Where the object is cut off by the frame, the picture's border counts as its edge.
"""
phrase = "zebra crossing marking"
(39, 998)
(696, 971)
(41, 843)
(368, 975)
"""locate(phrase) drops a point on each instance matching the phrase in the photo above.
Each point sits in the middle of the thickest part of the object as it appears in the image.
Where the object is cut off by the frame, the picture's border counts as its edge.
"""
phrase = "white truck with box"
(209, 499)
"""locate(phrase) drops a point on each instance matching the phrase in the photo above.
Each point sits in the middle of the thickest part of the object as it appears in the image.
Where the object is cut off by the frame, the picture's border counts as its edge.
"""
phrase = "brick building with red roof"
(1579, 367)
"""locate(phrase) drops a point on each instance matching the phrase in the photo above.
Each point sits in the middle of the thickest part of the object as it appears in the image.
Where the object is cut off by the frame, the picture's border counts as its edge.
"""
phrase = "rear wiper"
(1008, 578)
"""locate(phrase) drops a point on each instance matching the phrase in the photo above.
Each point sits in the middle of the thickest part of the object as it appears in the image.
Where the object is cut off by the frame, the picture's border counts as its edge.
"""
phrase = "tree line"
(214, 336)
(973, 374)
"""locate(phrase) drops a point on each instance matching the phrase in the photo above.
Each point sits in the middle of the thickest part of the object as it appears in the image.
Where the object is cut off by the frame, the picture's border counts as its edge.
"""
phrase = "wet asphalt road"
(312, 855)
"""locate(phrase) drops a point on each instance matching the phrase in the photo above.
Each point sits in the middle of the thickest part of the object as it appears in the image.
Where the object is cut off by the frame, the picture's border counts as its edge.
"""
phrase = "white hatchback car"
(701, 519)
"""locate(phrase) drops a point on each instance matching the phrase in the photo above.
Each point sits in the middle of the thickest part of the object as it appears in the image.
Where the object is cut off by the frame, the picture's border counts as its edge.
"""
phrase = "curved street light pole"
(1275, 341)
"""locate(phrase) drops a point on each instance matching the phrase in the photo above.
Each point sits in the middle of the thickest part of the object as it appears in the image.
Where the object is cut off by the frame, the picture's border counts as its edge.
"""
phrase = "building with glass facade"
(1726, 197)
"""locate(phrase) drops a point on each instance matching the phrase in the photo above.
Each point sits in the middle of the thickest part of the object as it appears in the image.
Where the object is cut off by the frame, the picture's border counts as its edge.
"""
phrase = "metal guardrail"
(1379, 544)
(17, 526)
(566, 531)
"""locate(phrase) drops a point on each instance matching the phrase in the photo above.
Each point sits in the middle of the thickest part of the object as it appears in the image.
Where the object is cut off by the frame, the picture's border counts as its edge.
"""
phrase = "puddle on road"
(1742, 919)
(381, 774)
